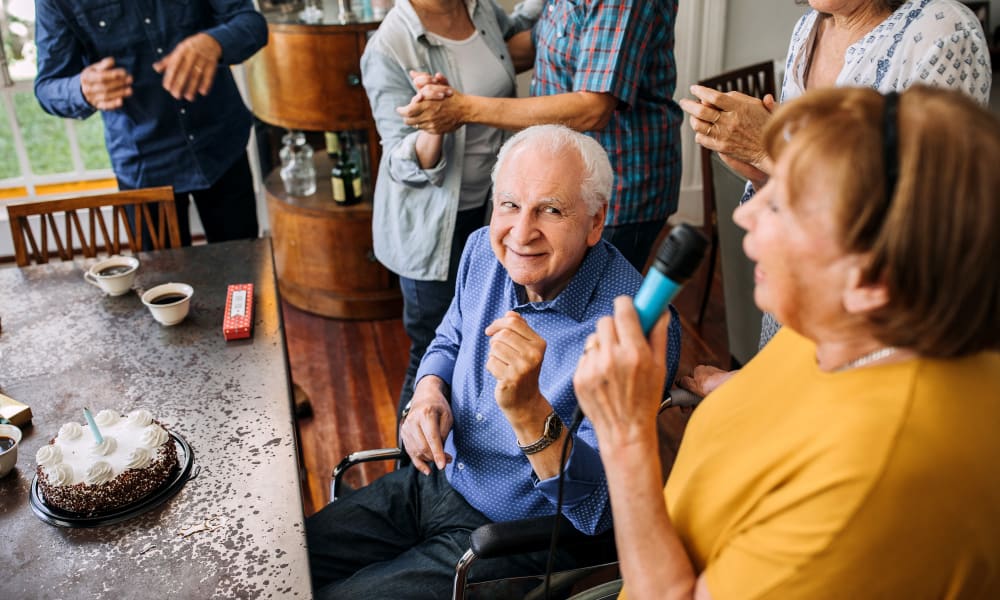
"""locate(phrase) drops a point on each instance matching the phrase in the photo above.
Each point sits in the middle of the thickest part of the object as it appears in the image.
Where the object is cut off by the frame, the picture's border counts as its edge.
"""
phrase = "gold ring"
(710, 128)
(717, 117)
(197, 68)
(591, 344)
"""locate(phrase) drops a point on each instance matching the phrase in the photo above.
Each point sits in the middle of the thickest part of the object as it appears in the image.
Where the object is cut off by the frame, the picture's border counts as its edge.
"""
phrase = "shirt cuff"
(406, 153)
(582, 476)
(435, 364)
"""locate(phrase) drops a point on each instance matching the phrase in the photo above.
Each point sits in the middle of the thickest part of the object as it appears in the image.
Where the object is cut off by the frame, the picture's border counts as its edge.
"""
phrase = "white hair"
(595, 187)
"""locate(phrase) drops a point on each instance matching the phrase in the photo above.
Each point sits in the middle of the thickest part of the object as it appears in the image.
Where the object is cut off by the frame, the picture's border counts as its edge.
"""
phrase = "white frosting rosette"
(107, 418)
(48, 455)
(98, 473)
(70, 431)
(106, 447)
(60, 474)
(139, 458)
(140, 417)
(153, 436)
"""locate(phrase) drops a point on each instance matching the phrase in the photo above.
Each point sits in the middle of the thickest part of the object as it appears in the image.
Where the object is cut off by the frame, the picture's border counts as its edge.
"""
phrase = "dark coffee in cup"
(6, 443)
(114, 270)
(167, 299)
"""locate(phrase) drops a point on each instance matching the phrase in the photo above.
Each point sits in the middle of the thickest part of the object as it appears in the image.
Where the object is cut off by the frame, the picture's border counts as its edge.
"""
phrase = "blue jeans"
(426, 302)
(634, 240)
(400, 537)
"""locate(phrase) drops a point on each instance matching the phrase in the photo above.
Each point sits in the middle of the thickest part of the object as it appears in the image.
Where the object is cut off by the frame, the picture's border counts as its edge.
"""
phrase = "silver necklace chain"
(867, 359)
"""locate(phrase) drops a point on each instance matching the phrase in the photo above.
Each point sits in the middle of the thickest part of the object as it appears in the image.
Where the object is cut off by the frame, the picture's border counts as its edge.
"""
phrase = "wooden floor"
(352, 371)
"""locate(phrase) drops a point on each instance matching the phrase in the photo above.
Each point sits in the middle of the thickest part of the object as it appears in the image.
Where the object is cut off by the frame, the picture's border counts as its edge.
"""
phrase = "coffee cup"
(169, 302)
(10, 437)
(114, 275)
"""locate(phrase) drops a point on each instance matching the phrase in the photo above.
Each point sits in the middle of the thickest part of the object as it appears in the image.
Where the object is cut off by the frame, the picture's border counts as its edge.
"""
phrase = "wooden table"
(65, 345)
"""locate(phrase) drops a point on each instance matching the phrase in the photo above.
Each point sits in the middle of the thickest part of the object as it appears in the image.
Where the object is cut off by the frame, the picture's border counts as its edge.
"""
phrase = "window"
(41, 154)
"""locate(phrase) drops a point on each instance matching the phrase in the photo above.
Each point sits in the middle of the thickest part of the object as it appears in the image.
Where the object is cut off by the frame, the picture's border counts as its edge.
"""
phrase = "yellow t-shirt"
(878, 482)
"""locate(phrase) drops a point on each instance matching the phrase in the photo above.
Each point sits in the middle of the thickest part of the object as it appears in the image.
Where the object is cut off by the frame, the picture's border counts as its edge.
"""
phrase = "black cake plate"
(65, 518)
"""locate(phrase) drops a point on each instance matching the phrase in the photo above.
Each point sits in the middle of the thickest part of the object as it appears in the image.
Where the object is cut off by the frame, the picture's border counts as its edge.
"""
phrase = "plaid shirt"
(624, 48)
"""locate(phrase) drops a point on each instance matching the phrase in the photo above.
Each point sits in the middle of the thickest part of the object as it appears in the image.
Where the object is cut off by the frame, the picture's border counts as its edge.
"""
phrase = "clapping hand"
(105, 86)
(732, 124)
(190, 67)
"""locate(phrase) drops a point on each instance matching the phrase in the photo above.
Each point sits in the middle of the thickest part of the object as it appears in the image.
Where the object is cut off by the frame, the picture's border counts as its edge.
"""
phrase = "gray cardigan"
(415, 208)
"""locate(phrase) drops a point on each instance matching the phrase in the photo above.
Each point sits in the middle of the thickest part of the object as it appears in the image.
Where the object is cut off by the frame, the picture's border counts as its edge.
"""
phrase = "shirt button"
(532, 81)
(552, 7)
(159, 50)
(147, 21)
(479, 416)
(184, 111)
(102, 24)
(461, 466)
(190, 136)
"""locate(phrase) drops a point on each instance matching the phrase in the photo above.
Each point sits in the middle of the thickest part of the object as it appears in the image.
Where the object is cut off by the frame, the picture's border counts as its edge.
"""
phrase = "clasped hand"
(434, 108)
(190, 67)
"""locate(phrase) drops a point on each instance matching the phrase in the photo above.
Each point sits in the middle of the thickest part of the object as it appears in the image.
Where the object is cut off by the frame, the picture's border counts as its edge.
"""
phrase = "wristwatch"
(550, 433)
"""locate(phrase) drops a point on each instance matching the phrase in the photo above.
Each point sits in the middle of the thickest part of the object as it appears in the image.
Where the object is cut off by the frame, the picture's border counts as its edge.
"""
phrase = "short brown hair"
(935, 244)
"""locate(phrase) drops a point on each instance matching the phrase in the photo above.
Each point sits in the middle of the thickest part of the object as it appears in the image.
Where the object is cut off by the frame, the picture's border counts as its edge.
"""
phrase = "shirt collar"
(573, 300)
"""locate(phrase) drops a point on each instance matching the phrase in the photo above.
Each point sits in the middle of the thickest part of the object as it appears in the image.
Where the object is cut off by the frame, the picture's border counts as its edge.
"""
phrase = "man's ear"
(597, 225)
(862, 297)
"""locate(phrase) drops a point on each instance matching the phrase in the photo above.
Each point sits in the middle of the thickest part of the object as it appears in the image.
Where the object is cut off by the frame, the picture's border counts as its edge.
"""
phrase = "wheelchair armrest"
(534, 535)
(356, 458)
(681, 397)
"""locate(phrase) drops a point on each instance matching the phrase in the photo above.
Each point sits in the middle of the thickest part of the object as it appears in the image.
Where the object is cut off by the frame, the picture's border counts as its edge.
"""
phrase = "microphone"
(676, 260)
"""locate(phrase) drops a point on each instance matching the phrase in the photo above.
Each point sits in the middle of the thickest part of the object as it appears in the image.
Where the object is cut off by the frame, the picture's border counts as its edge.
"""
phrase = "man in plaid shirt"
(605, 67)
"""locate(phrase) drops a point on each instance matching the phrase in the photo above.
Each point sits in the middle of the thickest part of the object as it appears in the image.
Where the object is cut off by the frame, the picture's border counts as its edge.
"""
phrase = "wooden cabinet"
(308, 77)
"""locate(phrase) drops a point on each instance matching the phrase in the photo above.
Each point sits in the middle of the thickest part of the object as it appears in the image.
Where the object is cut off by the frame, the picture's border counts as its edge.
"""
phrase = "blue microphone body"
(655, 293)
(676, 260)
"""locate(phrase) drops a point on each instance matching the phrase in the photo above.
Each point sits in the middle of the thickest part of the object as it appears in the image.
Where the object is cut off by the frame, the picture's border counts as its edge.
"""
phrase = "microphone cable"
(554, 540)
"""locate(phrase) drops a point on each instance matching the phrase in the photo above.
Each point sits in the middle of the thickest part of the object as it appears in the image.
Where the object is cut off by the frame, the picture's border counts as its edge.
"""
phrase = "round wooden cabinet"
(308, 77)
(323, 254)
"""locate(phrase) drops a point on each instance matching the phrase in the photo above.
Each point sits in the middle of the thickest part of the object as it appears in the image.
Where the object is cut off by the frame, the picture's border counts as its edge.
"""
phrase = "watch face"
(553, 427)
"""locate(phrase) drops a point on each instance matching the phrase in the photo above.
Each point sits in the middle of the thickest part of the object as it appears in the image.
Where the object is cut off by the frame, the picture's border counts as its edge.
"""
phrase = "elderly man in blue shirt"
(157, 71)
(485, 426)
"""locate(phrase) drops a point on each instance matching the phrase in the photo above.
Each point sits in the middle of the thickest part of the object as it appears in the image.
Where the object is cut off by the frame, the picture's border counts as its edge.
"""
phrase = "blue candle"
(98, 438)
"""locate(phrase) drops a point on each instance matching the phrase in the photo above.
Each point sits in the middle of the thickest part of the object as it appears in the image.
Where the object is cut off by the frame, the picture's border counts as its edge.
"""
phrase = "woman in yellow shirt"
(856, 456)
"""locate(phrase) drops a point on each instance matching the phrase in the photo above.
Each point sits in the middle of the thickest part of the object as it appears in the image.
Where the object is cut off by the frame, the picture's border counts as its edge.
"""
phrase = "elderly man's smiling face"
(540, 229)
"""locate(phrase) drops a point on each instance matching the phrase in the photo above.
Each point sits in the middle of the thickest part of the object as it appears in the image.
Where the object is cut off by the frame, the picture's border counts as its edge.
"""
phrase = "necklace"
(867, 359)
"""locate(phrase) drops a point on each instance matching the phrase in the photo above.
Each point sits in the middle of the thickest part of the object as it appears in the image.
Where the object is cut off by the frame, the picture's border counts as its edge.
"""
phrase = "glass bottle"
(332, 146)
(345, 177)
(297, 170)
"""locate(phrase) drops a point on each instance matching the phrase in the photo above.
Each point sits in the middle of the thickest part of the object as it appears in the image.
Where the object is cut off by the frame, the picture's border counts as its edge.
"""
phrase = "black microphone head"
(680, 254)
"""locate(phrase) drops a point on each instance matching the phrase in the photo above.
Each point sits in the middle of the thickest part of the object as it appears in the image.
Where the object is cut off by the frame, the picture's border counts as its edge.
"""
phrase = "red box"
(239, 311)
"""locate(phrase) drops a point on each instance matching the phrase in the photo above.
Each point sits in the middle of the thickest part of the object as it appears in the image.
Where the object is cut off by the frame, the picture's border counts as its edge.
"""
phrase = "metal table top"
(64, 345)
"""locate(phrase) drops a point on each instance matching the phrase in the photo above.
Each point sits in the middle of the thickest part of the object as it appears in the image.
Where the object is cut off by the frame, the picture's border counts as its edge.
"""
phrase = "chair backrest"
(742, 315)
(109, 232)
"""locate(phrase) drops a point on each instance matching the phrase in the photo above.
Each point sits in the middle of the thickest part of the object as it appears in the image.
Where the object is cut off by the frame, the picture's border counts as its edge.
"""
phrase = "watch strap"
(550, 433)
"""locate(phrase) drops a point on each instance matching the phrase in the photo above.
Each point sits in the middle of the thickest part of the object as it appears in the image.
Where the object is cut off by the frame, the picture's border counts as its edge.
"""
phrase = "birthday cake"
(135, 457)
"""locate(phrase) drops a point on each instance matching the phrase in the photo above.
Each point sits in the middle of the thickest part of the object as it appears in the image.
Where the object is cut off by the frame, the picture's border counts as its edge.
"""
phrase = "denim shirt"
(414, 208)
(489, 470)
(153, 139)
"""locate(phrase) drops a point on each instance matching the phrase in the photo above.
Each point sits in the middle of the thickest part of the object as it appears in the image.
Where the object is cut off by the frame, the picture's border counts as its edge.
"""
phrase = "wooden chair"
(99, 235)
(755, 80)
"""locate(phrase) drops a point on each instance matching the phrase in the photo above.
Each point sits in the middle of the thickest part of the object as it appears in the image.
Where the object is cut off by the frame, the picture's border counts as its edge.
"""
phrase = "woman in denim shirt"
(432, 189)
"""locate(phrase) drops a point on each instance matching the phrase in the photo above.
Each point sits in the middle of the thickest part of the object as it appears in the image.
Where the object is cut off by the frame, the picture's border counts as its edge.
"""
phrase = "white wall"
(757, 30)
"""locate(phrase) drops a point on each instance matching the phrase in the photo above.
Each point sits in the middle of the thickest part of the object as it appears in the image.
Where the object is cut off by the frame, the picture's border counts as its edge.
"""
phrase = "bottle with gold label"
(345, 177)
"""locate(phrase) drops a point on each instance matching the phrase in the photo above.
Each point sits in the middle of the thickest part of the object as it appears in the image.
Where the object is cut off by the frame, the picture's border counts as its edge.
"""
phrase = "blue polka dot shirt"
(489, 469)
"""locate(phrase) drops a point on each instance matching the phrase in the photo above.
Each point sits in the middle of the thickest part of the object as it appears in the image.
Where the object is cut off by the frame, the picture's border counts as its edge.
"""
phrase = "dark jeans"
(426, 302)
(227, 209)
(400, 537)
(634, 240)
